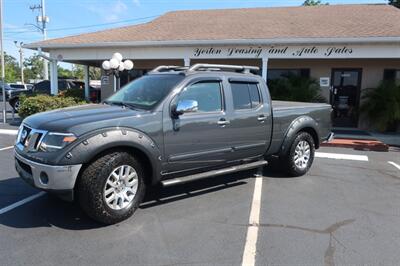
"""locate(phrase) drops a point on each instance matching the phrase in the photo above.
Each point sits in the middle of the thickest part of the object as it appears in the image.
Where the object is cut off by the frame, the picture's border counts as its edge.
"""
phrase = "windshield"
(145, 92)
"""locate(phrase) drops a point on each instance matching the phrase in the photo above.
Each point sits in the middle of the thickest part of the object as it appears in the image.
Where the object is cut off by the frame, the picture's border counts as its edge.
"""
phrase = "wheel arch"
(300, 124)
(139, 155)
(97, 144)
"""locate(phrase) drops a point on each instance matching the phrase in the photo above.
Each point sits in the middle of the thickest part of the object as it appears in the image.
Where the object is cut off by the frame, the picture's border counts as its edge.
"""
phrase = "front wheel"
(300, 155)
(111, 188)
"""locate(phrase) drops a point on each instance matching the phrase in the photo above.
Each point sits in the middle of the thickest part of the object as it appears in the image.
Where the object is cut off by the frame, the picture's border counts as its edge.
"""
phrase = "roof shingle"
(331, 21)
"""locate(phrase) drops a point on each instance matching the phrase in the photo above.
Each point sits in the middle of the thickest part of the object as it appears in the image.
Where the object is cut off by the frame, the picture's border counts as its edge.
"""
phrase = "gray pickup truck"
(171, 126)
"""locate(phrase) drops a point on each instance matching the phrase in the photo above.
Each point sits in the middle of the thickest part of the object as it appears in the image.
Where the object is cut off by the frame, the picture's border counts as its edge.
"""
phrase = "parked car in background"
(43, 87)
(20, 86)
(7, 88)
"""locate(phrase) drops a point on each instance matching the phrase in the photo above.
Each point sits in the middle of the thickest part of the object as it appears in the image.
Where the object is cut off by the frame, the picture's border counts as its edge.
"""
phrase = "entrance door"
(345, 93)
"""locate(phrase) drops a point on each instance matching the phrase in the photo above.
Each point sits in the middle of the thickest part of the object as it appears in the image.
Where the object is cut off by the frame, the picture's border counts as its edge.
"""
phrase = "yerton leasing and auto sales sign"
(275, 51)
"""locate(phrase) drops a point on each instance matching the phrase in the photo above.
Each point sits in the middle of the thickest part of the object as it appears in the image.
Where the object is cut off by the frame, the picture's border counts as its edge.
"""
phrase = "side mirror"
(185, 106)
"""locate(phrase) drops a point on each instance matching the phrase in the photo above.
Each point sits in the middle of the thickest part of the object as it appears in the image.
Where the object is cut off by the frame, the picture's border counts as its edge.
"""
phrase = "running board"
(228, 170)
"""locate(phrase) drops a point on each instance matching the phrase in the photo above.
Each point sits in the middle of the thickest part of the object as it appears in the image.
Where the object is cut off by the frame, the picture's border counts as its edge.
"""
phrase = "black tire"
(14, 104)
(292, 168)
(93, 180)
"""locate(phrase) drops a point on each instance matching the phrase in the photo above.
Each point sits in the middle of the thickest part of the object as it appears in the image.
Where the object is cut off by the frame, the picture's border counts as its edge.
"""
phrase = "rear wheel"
(111, 188)
(15, 104)
(300, 155)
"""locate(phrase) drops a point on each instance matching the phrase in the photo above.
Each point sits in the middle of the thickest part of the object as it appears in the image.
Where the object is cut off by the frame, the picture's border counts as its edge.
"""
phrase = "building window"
(274, 74)
(391, 74)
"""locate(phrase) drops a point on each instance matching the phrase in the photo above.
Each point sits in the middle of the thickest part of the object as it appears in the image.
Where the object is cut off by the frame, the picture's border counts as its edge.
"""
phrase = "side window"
(245, 95)
(42, 87)
(207, 94)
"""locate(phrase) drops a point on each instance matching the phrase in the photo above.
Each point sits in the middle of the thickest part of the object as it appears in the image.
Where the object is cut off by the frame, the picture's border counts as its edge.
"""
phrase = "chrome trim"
(330, 137)
(27, 146)
(61, 177)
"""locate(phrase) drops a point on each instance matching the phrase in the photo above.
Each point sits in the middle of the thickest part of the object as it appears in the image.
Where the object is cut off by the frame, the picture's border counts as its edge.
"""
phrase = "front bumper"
(53, 178)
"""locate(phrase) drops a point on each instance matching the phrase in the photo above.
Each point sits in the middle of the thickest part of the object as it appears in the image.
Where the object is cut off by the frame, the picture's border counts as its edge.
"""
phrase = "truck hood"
(71, 118)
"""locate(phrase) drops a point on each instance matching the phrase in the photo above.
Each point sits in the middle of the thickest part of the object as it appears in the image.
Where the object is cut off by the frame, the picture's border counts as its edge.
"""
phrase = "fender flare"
(90, 145)
(297, 125)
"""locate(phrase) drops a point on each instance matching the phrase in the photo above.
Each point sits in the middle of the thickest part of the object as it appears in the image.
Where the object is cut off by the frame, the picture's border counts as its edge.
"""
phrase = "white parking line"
(250, 248)
(394, 164)
(6, 148)
(340, 156)
(8, 131)
(21, 202)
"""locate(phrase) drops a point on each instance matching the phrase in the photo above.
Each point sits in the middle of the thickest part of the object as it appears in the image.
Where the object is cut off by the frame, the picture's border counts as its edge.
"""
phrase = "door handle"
(223, 122)
(261, 118)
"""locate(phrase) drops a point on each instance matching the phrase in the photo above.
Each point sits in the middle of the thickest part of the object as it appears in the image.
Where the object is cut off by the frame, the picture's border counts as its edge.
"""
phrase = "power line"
(86, 26)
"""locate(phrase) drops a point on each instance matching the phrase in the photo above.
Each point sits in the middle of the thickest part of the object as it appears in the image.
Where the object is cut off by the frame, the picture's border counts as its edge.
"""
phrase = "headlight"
(18, 139)
(56, 141)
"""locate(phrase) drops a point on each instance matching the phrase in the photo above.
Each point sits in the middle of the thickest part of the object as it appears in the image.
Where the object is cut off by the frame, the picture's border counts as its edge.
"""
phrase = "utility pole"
(2, 64)
(21, 59)
(41, 22)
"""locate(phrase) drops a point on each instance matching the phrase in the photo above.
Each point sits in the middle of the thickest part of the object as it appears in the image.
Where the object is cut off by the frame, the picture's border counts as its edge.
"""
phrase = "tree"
(382, 105)
(395, 3)
(33, 67)
(313, 3)
(12, 70)
(79, 72)
(64, 73)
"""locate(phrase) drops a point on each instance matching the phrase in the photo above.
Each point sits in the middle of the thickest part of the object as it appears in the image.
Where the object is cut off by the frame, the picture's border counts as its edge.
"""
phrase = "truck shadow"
(49, 211)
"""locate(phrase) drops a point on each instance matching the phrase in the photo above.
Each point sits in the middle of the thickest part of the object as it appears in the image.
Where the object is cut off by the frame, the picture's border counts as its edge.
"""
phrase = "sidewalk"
(363, 140)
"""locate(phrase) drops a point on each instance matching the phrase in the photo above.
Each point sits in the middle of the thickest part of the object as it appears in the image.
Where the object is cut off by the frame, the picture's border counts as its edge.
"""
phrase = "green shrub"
(295, 88)
(42, 103)
(382, 105)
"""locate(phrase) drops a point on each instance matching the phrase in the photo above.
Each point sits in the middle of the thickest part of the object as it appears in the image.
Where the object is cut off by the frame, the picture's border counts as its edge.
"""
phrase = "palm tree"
(382, 105)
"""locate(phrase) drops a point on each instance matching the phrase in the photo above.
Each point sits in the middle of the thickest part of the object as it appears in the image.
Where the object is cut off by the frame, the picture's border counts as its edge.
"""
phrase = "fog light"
(44, 179)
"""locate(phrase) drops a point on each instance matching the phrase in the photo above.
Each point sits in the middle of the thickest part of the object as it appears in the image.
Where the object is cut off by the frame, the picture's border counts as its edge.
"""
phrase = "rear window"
(17, 86)
(245, 95)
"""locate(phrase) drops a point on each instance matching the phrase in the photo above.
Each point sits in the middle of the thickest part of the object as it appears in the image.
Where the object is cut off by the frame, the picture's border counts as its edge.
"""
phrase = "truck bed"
(284, 113)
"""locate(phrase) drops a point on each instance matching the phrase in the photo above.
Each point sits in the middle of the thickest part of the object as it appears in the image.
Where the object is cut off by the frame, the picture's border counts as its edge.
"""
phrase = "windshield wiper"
(124, 104)
(131, 105)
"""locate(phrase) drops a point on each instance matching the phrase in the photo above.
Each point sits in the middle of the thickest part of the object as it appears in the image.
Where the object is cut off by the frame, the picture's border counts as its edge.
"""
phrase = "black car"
(43, 87)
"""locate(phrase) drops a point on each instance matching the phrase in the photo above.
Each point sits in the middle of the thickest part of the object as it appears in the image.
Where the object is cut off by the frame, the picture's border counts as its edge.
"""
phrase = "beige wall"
(372, 69)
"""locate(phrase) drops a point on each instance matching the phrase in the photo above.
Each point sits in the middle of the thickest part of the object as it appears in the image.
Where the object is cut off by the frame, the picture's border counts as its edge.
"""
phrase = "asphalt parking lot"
(344, 211)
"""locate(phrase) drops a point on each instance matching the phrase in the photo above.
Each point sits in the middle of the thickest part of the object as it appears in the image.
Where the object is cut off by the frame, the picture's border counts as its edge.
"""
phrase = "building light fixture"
(116, 65)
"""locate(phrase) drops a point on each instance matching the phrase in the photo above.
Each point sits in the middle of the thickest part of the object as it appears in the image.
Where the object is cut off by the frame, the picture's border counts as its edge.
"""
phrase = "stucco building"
(347, 48)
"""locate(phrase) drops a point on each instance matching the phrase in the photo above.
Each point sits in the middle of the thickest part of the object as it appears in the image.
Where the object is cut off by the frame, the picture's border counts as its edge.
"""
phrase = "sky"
(70, 17)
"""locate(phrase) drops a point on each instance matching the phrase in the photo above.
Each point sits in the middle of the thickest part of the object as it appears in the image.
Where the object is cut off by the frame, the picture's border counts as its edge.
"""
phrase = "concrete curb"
(358, 144)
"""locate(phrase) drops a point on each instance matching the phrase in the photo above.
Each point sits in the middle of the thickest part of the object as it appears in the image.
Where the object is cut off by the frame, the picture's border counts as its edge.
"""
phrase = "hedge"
(41, 103)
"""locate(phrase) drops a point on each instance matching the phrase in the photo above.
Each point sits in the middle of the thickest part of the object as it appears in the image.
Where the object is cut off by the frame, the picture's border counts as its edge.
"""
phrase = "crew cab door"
(197, 138)
(249, 109)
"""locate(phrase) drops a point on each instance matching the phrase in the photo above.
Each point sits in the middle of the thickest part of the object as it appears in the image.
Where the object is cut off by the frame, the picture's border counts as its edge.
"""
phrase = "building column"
(53, 77)
(186, 62)
(86, 80)
(264, 67)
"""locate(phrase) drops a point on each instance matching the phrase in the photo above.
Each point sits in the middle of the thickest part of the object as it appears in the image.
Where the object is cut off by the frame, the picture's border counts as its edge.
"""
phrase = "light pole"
(21, 59)
(42, 21)
(116, 65)
(2, 64)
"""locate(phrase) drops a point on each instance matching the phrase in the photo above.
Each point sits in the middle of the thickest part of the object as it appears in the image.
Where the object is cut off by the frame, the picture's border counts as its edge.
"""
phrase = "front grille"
(24, 166)
(29, 139)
